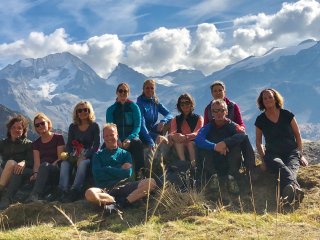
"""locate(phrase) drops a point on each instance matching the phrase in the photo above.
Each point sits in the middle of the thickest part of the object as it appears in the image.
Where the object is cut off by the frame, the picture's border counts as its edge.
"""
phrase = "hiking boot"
(288, 194)
(299, 194)
(232, 185)
(214, 183)
(5, 202)
(112, 208)
(72, 196)
(33, 198)
(56, 195)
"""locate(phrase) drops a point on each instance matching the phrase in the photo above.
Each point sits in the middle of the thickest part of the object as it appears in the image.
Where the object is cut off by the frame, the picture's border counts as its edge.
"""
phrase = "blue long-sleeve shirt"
(210, 134)
(107, 167)
(149, 116)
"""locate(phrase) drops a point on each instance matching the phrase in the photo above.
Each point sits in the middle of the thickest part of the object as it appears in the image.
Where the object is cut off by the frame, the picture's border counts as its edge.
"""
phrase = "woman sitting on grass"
(283, 144)
(17, 159)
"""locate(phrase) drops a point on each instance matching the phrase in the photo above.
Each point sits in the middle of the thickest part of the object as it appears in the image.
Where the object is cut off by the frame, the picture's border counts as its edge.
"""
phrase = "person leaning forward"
(111, 167)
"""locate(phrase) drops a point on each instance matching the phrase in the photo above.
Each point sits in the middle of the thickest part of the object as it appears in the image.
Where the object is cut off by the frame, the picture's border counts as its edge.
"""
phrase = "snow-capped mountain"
(54, 84)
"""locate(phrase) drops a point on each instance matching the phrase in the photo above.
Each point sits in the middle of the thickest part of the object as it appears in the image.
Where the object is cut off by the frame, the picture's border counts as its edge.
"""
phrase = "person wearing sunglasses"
(218, 91)
(224, 143)
(126, 115)
(83, 142)
(17, 159)
(46, 154)
(282, 152)
(184, 128)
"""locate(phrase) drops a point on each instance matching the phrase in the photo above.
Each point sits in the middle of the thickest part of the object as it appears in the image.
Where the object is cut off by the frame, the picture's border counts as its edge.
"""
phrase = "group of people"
(109, 174)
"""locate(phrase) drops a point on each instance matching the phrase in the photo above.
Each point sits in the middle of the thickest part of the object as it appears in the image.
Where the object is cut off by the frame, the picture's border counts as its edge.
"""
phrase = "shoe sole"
(288, 193)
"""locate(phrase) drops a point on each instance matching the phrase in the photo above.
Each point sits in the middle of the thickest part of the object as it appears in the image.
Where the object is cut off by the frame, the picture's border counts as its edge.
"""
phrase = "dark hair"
(186, 96)
(277, 96)
(18, 118)
(219, 83)
(123, 84)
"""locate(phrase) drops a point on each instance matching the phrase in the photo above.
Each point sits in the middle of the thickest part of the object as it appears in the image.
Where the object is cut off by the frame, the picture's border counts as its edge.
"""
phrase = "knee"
(91, 193)
(10, 164)
(148, 183)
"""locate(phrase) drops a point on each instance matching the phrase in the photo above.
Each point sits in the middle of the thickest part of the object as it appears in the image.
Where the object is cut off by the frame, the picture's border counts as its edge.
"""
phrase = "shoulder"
(286, 113)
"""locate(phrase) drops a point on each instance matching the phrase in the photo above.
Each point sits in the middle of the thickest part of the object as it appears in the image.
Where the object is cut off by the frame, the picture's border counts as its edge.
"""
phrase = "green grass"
(178, 216)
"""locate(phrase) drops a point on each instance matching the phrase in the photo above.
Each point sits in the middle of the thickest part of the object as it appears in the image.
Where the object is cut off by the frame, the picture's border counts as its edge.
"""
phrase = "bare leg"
(7, 172)
(142, 190)
(180, 150)
(192, 151)
(98, 196)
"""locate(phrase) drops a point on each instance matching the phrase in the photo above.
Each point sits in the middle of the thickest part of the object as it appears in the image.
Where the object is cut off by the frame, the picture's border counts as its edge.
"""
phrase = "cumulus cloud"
(160, 51)
(101, 53)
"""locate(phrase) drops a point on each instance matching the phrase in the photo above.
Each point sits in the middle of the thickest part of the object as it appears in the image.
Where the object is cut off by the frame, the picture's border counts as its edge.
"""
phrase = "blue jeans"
(65, 170)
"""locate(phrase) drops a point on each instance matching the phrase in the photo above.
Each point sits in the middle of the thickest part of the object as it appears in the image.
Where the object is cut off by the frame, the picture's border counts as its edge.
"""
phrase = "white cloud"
(160, 51)
(101, 53)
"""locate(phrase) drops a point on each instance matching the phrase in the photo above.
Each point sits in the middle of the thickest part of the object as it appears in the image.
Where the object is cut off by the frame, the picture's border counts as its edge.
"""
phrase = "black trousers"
(136, 150)
(17, 180)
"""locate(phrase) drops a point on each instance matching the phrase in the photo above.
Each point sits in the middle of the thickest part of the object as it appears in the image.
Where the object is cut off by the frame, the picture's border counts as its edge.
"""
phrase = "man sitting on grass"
(111, 167)
(224, 143)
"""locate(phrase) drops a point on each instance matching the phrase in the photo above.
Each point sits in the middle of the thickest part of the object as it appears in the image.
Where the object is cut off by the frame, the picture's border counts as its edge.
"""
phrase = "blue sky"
(155, 36)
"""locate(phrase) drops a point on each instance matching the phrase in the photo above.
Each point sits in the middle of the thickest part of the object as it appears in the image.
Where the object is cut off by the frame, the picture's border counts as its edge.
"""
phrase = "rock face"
(312, 152)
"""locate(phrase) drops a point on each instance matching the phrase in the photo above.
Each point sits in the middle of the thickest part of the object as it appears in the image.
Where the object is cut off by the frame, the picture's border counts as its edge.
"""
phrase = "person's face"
(218, 92)
(122, 94)
(83, 112)
(219, 113)
(110, 137)
(149, 90)
(16, 130)
(268, 99)
(41, 125)
(185, 105)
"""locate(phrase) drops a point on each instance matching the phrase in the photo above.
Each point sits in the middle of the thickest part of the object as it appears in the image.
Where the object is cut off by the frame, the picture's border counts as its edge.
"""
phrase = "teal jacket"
(18, 150)
(127, 117)
(106, 167)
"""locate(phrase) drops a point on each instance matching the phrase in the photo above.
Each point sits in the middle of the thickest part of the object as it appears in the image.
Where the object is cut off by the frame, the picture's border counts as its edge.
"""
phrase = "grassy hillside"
(178, 216)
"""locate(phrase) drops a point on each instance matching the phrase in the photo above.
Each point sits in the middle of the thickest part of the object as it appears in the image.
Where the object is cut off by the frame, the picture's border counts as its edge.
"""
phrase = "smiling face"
(185, 106)
(16, 130)
(122, 93)
(219, 111)
(83, 112)
(41, 125)
(218, 92)
(149, 89)
(110, 137)
(268, 99)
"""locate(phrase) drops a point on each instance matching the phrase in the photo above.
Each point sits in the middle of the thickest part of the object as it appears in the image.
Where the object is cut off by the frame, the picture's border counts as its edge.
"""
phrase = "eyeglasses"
(85, 110)
(39, 124)
(123, 91)
(186, 103)
(218, 110)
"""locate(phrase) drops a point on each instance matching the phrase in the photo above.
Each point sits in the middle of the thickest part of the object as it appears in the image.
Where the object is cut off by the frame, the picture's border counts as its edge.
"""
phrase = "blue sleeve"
(136, 121)
(144, 132)
(201, 140)
(164, 112)
(109, 114)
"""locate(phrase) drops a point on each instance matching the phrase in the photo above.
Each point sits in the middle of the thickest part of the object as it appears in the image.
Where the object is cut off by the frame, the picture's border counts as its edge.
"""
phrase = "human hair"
(219, 83)
(152, 82)
(277, 97)
(188, 97)
(13, 120)
(219, 102)
(45, 117)
(109, 125)
(123, 84)
(91, 117)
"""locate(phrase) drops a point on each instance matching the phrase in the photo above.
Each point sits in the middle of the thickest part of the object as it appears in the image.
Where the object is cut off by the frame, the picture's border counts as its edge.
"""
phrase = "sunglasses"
(85, 110)
(218, 110)
(123, 91)
(39, 124)
(186, 103)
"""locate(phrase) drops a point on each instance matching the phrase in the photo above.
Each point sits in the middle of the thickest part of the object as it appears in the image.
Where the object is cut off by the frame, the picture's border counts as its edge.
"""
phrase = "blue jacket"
(106, 167)
(210, 134)
(127, 117)
(149, 115)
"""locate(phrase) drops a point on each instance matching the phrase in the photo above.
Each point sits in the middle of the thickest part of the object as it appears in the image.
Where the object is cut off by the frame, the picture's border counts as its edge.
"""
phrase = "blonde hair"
(45, 117)
(152, 82)
(91, 117)
(110, 125)
(219, 102)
